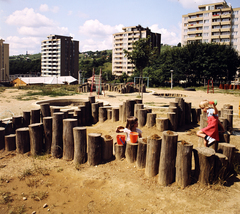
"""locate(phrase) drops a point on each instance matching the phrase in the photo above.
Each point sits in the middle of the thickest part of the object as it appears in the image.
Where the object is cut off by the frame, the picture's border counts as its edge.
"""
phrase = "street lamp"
(171, 79)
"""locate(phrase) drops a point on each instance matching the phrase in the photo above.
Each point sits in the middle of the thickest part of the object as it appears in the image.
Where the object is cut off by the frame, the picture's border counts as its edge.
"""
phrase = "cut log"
(102, 114)
(119, 151)
(172, 117)
(45, 110)
(130, 108)
(109, 114)
(151, 119)
(168, 158)
(36, 138)
(78, 116)
(184, 164)
(83, 110)
(88, 113)
(162, 124)
(26, 118)
(141, 153)
(68, 142)
(10, 142)
(115, 114)
(204, 164)
(188, 118)
(22, 140)
(131, 152)
(221, 166)
(137, 106)
(142, 117)
(107, 147)
(47, 130)
(181, 115)
(54, 110)
(80, 145)
(17, 122)
(95, 107)
(35, 116)
(228, 150)
(2, 138)
(94, 149)
(57, 136)
(153, 155)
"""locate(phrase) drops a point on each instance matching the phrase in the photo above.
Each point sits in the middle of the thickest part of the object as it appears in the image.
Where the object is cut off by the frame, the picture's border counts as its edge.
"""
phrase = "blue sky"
(25, 23)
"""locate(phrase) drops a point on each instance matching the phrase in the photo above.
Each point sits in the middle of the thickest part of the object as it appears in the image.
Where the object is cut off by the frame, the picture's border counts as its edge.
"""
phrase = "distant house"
(23, 81)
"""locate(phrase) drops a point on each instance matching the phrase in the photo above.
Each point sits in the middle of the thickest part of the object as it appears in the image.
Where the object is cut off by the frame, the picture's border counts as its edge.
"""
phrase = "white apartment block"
(59, 56)
(4, 61)
(216, 22)
(125, 40)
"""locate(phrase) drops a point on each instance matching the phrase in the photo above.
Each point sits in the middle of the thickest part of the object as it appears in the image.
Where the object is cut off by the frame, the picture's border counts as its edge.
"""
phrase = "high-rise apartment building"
(59, 56)
(216, 22)
(4, 61)
(125, 40)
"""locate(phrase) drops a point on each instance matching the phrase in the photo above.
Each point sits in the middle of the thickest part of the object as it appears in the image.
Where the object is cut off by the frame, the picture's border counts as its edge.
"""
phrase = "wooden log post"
(184, 164)
(94, 149)
(47, 130)
(54, 110)
(78, 116)
(8, 127)
(95, 107)
(142, 117)
(153, 155)
(194, 116)
(57, 135)
(107, 148)
(198, 113)
(68, 141)
(141, 153)
(26, 118)
(131, 152)
(168, 158)
(221, 166)
(10, 142)
(162, 124)
(228, 150)
(124, 116)
(91, 99)
(181, 115)
(119, 151)
(45, 110)
(80, 145)
(137, 106)
(109, 114)
(88, 112)
(151, 119)
(83, 110)
(204, 164)
(172, 117)
(130, 108)
(22, 140)
(2, 138)
(188, 118)
(102, 114)
(35, 116)
(17, 122)
(36, 138)
(115, 114)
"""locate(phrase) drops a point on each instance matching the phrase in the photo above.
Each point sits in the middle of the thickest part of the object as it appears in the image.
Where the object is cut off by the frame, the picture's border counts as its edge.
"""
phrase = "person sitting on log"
(210, 133)
(131, 126)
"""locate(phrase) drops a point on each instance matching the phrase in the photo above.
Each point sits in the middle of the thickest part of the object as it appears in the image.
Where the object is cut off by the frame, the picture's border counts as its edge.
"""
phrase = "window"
(206, 27)
(205, 34)
(234, 33)
(206, 14)
(235, 12)
(205, 40)
(235, 26)
(206, 21)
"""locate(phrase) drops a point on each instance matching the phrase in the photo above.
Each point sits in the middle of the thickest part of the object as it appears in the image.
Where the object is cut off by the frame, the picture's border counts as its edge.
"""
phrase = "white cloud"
(194, 4)
(167, 37)
(28, 17)
(45, 8)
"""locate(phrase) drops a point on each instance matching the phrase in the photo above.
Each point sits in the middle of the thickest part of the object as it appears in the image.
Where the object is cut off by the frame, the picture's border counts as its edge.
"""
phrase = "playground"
(116, 186)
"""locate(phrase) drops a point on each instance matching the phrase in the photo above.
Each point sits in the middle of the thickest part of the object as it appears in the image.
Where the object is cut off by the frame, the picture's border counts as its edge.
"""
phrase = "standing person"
(131, 126)
(210, 133)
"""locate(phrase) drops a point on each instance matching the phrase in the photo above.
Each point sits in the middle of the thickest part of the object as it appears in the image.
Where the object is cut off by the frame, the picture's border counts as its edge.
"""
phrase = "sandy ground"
(28, 183)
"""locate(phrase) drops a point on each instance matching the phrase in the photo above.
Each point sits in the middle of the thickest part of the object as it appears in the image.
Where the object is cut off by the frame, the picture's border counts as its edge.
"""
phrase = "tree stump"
(119, 151)
(221, 166)
(172, 117)
(188, 107)
(130, 108)
(83, 110)
(94, 149)
(47, 130)
(204, 164)
(109, 114)
(22, 140)
(78, 116)
(8, 127)
(10, 142)
(45, 110)
(168, 158)
(162, 124)
(228, 150)
(68, 142)
(184, 164)
(115, 114)
(91, 99)
(95, 107)
(80, 145)
(141, 153)
(88, 112)
(107, 147)
(36, 138)
(2, 135)
(35, 116)
(151, 119)
(26, 118)
(54, 110)
(102, 114)
(131, 152)
(137, 106)
(57, 135)
(181, 115)
(153, 155)
(142, 117)
(17, 122)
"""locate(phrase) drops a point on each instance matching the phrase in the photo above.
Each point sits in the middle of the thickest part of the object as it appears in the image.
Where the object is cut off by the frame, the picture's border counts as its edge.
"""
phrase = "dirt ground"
(48, 185)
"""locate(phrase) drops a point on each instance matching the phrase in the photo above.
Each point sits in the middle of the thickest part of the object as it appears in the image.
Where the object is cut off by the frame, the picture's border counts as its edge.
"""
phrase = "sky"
(25, 23)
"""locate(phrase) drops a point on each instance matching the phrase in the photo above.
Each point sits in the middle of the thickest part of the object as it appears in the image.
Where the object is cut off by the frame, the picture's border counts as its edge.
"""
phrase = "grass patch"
(5, 197)
(38, 196)
(19, 210)
(32, 172)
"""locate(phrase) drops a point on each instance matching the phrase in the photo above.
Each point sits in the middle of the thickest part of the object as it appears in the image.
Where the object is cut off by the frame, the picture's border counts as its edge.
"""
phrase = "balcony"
(225, 36)
(226, 23)
(215, 36)
(216, 23)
